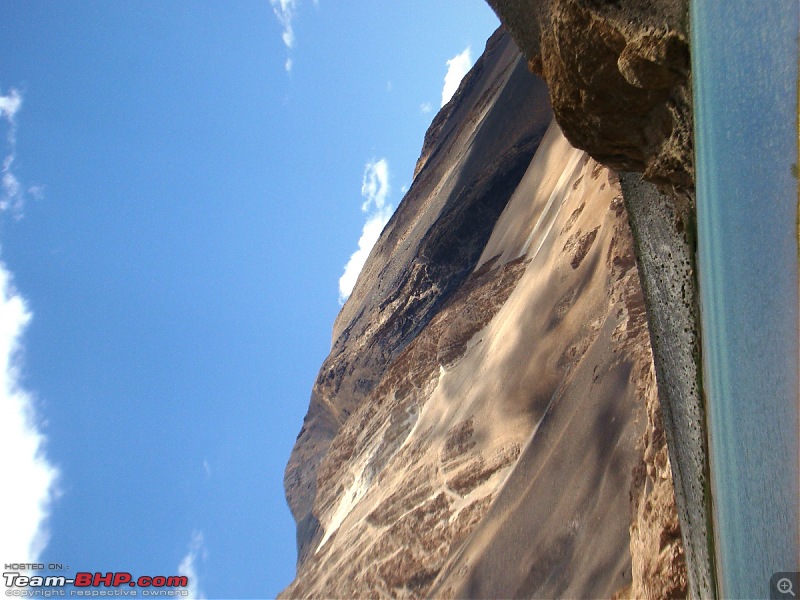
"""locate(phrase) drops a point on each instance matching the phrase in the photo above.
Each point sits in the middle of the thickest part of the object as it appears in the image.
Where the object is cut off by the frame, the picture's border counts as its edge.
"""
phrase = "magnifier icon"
(785, 586)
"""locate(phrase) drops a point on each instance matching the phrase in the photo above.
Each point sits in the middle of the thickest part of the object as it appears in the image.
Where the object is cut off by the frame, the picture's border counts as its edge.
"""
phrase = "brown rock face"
(475, 153)
(487, 423)
(618, 73)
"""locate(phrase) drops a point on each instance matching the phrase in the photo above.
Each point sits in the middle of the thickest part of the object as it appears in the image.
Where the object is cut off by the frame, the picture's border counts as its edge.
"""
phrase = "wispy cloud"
(286, 12)
(24, 511)
(457, 67)
(425, 108)
(188, 566)
(375, 185)
(12, 194)
(375, 191)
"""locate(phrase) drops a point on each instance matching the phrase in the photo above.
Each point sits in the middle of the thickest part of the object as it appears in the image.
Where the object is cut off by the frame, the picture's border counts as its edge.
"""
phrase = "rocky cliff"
(619, 78)
(487, 423)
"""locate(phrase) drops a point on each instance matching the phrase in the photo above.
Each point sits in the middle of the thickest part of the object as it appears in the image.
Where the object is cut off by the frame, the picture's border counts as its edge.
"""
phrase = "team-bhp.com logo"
(94, 584)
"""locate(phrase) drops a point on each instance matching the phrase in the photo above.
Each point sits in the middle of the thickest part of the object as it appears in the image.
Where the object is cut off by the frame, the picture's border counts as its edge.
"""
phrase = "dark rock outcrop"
(618, 74)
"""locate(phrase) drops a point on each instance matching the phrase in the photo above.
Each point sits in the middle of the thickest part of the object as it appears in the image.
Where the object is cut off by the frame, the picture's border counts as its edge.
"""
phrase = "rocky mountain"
(488, 423)
(619, 77)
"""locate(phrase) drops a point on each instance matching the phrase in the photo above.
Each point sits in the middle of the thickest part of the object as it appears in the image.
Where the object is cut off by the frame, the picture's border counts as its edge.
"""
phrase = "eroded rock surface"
(487, 424)
(619, 79)
(618, 73)
(475, 153)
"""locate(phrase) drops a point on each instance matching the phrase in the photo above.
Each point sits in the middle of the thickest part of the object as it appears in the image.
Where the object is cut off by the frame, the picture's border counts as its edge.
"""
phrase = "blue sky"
(182, 186)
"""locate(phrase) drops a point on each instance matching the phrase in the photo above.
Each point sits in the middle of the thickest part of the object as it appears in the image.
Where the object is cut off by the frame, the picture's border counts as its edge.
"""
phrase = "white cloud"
(375, 190)
(188, 566)
(12, 195)
(9, 105)
(425, 108)
(23, 513)
(284, 11)
(375, 184)
(11, 198)
(457, 67)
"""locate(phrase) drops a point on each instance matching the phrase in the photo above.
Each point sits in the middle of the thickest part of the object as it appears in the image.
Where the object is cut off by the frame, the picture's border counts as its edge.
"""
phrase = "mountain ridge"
(493, 358)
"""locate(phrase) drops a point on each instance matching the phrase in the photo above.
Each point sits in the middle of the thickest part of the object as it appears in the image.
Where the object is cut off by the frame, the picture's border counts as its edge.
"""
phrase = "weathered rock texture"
(487, 423)
(475, 153)
(663, 229)
(618, 73)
